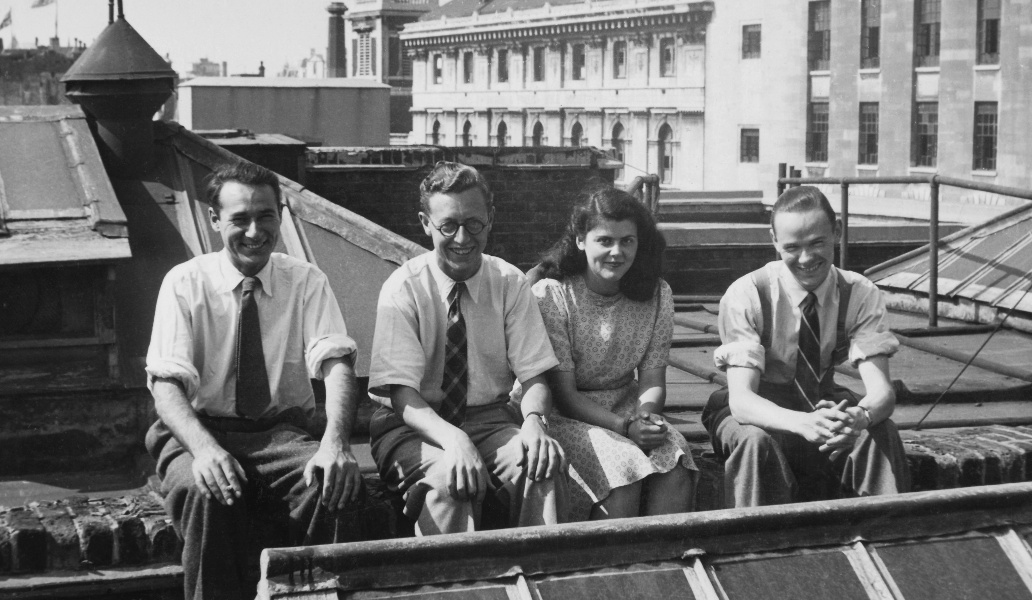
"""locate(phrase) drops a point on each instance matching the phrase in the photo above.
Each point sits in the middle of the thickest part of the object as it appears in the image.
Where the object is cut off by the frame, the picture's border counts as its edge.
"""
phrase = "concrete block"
(28, 540)
(63, 544)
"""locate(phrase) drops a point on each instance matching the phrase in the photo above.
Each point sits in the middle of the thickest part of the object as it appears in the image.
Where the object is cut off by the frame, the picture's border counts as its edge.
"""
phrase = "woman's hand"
(647, 430)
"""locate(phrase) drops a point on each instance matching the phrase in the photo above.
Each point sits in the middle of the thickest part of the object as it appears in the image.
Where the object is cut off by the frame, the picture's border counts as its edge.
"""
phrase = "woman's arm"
(571, 403)
(652, 390)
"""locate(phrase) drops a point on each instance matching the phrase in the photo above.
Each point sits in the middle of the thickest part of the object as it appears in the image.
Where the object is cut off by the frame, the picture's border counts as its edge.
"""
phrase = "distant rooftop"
(282, 82)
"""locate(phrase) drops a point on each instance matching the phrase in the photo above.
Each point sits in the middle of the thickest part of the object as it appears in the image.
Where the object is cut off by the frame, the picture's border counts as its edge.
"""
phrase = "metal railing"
(646, 189)
(788, 175)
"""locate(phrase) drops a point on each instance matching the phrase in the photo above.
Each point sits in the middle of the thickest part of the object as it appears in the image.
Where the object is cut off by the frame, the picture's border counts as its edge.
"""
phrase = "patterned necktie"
(456, 372)
(808, 361)
(252, 385)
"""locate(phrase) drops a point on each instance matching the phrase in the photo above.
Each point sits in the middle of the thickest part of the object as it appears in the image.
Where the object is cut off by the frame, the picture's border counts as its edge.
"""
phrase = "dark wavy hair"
(453, 178)
(244, 172)
(610, 204)
(803, 198)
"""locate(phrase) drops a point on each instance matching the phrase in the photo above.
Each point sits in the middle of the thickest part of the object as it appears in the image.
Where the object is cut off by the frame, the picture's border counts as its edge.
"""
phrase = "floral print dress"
(602, 340)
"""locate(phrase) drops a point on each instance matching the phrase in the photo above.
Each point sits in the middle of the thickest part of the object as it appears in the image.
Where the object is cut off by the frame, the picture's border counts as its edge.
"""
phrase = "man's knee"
(748, 441)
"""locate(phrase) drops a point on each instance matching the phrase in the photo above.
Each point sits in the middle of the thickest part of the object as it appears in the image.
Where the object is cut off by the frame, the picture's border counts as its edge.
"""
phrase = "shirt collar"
(445, 283)
(230, 277)
(797, 293)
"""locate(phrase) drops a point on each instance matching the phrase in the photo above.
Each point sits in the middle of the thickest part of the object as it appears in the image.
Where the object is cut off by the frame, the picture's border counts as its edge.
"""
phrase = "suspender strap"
(762, 282)
(841, 351)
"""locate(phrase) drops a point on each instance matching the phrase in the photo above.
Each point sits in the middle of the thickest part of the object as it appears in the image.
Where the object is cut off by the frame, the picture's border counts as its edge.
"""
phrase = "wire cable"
(999, 325)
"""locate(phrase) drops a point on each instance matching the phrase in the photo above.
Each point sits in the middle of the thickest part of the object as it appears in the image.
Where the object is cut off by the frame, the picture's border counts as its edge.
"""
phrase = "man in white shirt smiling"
(452, 328)
(787, 432)
(237, 336)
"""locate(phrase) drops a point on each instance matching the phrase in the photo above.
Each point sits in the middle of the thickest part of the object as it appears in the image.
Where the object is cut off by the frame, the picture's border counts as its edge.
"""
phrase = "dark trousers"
(221, 544)
(763, 468)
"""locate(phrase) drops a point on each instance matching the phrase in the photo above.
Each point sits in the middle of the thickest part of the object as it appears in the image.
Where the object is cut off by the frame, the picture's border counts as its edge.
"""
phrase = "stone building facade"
(713, 94)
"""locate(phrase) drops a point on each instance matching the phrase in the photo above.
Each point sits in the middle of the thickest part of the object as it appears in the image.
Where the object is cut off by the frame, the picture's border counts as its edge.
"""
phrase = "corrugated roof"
(56, 202)
(989, 265)
(970, 543)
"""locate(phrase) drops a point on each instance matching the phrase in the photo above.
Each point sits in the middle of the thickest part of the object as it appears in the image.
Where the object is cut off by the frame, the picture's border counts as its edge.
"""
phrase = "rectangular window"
(988, 32)
(364, 58)
(503, 65)
(577, 57)
(467, 67)
(817, 132)
(870, 34)
(750, 146)
(438, 69)
(928, 20)
(619, 60)
(666, 57)
(818, 47)
(539, 63)
(750, 41)
(868, 134)
(985, 136)
(926, 134)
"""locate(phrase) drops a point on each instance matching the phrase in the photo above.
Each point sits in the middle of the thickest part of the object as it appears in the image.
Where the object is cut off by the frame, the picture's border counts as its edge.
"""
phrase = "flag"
(7, 20)
(41, 3)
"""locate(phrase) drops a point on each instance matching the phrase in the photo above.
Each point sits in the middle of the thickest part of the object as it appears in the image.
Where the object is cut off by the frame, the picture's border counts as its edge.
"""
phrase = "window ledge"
(867, 167)
(924, 170)
(926, 69)
(983, 173)
(987, 67)
(820, 73)
(816, 165)
(871, 71)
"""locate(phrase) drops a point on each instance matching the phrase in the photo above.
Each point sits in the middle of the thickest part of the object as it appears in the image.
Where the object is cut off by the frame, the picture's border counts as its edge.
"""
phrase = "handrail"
(646, 189)
(788, 175)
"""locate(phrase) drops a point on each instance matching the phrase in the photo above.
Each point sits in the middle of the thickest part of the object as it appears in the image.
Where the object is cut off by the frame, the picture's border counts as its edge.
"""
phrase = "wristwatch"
(544, 419)
(867, 413)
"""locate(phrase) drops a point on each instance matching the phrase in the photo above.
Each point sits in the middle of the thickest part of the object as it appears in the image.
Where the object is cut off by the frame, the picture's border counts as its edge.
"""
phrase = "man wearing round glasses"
(452, 328)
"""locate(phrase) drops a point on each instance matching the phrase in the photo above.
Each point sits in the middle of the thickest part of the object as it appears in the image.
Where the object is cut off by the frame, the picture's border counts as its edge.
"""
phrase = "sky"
(240, 32)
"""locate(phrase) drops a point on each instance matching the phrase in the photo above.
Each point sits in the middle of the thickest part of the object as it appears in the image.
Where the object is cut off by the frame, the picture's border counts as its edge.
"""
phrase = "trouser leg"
(878, 463)
(213, 565)
(530, 502)
(756, 471)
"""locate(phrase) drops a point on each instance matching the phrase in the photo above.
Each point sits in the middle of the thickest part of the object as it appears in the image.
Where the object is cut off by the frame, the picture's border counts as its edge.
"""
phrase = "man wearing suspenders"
(786, 431)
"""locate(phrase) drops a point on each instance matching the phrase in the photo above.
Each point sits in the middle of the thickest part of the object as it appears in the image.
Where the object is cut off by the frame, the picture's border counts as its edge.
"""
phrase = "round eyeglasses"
(451, 228)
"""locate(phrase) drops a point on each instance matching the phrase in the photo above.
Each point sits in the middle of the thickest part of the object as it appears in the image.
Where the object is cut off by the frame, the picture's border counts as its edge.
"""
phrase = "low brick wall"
(534, 189)
(78, 534)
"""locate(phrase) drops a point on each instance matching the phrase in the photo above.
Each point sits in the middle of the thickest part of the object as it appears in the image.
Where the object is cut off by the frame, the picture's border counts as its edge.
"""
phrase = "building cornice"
(586, 21)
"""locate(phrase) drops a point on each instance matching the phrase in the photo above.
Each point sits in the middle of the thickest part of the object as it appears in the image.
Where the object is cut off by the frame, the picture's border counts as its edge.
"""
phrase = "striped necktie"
(808, 361)
(456, 369)
(252, 384)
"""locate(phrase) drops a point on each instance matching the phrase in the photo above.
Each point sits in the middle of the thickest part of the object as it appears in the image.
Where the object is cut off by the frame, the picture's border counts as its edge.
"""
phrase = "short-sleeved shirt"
(505, 335)
(195, 331)
(741, 321)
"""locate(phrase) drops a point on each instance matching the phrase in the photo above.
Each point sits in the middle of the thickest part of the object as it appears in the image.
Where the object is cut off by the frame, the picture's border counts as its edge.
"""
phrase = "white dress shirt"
(195, 331)
(505, 334)
(741, 321)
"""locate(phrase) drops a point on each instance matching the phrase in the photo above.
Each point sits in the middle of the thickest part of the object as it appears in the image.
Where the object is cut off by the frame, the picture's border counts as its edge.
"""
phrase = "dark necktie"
(456, 371)
(252, 386)
(808, 361)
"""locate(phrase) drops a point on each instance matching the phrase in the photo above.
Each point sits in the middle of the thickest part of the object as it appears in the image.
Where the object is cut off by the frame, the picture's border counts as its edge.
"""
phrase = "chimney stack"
(120, 82)
(336, 59)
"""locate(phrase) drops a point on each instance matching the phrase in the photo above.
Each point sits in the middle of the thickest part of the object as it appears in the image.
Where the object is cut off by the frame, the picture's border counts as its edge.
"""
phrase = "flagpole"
(57, 3)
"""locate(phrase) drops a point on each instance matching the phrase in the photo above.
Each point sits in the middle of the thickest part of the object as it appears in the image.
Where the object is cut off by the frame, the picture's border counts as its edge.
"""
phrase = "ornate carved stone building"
(621, 74)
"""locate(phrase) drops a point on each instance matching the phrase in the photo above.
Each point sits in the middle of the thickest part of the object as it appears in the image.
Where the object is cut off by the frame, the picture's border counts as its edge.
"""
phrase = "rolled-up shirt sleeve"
(171, 351)
(397, 356)
(740, 323)
(870, 335)
(325, 334)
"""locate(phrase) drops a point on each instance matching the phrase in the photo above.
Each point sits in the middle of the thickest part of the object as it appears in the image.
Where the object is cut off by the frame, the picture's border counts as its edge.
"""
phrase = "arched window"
(576, 134)
(665, 154)
(503, 131)
(618, 146)
(539, 133)
(435, 137)
(466, 134)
